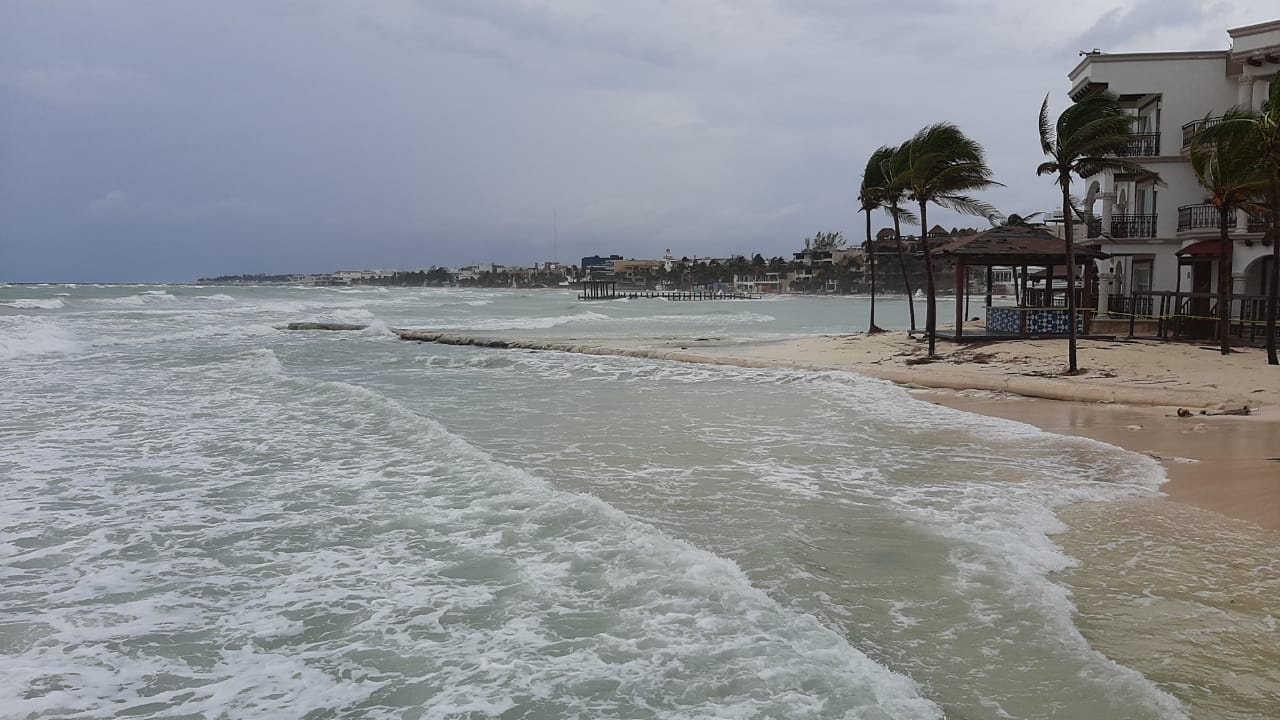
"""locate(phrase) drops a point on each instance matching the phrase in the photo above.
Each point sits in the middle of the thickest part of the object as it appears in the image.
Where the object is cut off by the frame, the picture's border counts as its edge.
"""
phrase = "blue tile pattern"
(1004, 320)
(1037, 321)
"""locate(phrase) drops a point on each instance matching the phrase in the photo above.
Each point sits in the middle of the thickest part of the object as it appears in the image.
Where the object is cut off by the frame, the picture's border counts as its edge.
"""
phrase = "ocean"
(204, 516)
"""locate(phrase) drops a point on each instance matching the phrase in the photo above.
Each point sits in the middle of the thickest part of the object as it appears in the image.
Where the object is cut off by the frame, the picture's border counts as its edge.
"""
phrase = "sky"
(161, 141)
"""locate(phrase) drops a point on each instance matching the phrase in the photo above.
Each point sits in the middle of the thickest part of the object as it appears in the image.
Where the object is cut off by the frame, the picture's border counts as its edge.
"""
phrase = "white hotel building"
(1163, 236)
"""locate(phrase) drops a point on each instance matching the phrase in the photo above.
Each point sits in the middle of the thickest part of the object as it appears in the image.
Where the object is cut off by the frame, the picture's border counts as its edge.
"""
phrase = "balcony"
(1205, 217)
(1133, 226)
(1197, 217)
(1143, 145)
(1190, 129)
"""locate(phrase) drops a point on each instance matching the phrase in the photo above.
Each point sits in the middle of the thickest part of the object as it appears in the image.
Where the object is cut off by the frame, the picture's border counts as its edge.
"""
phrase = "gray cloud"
(149, 140)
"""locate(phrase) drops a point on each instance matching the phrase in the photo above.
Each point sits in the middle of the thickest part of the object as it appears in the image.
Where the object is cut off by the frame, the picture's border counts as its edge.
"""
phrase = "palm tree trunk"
(931, 299)
(1273, 283)
(1224, 280)
(902, 263)
(1068, 227)
(871, 262)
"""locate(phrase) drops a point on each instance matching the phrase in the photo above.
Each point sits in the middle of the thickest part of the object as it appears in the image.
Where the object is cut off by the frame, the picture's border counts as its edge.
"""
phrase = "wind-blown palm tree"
(944, 165)
(1266, 127)
(1226, 162)
(871, 197)
(896, 169)
(1089, 137)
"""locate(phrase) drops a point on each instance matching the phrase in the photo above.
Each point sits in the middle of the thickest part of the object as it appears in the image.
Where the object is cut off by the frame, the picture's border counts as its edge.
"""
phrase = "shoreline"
(1127, 395)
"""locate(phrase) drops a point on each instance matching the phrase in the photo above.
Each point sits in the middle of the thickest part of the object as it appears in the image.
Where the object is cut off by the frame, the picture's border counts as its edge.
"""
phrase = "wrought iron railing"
(1205, 217)
(1196, 217)
(1143, 145)
(1190, 129)
(1133, 226)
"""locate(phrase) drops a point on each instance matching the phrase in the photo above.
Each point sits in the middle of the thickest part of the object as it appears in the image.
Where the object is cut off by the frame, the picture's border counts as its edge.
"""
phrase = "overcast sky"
(153, 140)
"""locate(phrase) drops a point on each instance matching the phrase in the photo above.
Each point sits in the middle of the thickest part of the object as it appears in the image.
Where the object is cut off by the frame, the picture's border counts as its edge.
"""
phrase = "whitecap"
(35, 303)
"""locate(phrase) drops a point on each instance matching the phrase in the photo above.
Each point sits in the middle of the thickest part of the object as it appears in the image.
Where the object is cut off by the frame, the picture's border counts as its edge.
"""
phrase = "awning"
(1203, 250)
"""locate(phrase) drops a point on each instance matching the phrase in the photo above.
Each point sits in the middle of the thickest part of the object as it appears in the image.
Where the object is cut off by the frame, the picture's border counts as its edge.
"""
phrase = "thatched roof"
(1014, 245)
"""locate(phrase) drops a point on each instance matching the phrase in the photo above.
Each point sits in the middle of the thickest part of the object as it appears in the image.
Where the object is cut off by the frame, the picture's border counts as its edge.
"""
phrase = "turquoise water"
(204, 516)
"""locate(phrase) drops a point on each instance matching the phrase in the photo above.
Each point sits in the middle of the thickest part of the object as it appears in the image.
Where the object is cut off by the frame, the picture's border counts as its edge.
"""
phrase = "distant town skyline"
(154, 141)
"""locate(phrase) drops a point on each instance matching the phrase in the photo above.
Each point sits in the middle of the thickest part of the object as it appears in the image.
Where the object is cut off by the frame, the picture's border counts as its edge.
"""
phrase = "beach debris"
(1183, 412)
(1200, 427)
(1132, 427)
(1231, 411)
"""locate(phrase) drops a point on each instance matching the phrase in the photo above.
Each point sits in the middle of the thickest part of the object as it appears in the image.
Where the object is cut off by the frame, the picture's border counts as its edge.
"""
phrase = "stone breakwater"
(681, 355)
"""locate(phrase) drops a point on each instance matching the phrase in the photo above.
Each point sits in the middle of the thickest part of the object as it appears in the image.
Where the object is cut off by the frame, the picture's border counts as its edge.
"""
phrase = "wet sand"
(1229, 465)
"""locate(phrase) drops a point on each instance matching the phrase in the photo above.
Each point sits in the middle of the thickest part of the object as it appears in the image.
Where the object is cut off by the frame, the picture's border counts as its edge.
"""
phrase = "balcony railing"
(1197, 217)
(1143, 145)
(1205, 217)
(1133, 226)
(1190, 129)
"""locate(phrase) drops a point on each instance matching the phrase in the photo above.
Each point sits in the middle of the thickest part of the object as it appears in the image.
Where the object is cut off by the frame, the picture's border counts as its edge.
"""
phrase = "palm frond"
(968, 206)
(1087, 166)
(871, 194)
(1048, 139)
(944, 161)
(905, 216)
(1227, 160)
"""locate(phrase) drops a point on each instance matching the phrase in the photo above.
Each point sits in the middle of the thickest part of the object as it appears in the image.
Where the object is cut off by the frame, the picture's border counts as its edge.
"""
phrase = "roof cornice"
(1146, 57)
(1254, 29)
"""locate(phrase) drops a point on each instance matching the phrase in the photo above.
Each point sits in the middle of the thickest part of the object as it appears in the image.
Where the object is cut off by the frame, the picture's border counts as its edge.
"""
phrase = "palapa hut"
(1043, 314)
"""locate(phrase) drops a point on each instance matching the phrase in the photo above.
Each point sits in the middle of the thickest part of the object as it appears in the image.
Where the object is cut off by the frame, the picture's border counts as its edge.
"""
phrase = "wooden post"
(1086, 293)
(990, 281)
(960, 283)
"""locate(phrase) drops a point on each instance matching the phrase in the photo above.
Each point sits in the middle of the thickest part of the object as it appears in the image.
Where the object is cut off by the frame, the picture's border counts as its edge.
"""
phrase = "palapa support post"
(960, 283)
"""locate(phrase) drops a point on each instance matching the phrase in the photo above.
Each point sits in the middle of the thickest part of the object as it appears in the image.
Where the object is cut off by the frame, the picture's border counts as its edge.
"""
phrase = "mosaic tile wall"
(1004, 320)
(1038, 322)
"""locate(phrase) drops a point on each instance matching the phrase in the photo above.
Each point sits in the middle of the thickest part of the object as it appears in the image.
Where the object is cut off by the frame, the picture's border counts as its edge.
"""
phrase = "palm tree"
(1089, 137)
(943, 166)
(895, 169)
(1226, 162)
(871, 197)
(1266, 127)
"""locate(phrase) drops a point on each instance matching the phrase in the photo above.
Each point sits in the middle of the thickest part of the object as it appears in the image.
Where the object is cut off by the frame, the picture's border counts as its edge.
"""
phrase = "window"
(1142, 274)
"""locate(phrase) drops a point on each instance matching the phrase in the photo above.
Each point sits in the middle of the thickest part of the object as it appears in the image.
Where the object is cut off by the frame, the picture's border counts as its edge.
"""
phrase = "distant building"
(637, 272)
(769, 283)
(598, 265)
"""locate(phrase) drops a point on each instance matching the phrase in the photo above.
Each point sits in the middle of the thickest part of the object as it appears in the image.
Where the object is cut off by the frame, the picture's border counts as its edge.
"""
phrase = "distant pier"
(608, 290)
